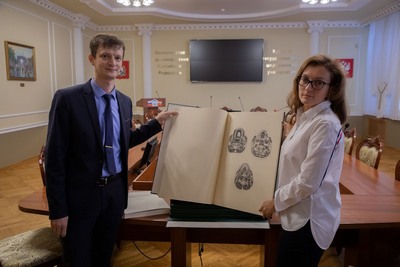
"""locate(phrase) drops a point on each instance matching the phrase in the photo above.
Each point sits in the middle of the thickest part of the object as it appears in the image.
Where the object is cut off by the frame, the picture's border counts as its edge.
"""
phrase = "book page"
(165, 136)
(250, 156)
(189, 155)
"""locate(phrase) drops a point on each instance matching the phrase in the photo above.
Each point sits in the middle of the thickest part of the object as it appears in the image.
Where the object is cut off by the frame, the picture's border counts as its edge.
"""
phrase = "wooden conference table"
(369, 223)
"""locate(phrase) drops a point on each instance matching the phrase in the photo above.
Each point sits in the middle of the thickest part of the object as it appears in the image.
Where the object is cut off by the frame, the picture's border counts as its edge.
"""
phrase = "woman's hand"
(267, 209)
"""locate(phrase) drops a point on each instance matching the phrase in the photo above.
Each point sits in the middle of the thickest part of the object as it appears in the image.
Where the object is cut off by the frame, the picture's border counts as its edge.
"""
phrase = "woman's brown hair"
(336, 94)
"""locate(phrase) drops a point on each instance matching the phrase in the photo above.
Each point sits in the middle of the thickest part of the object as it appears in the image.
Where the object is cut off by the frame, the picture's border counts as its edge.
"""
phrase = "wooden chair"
(41, 164)
(38, 247)
(289, 120)
(349, 139)
(258, 109)
(34, 248)
(369, 151)
(397, 171)
(290, 117)
(229, 109)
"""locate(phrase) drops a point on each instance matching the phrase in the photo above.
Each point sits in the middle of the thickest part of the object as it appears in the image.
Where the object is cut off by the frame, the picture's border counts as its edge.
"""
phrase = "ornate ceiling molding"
(228, 26)
(381, 13)
(231, 26)
(85, 21)
(116, 28)
(75, 18)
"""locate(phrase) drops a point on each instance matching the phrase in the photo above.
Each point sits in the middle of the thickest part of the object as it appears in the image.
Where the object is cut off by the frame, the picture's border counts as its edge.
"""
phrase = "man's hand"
(164, 115)
(59, 226)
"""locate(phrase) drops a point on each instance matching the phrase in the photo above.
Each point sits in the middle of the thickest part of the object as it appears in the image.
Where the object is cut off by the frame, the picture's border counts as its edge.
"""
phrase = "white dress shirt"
(303, 193)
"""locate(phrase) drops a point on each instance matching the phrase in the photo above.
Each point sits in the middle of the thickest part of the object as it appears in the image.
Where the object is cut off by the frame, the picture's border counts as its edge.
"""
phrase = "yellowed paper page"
(250, 156)
(189, 157)
(161, 156)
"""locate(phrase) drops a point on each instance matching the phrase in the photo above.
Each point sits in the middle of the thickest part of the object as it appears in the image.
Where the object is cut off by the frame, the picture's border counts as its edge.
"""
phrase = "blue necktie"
(108, 144)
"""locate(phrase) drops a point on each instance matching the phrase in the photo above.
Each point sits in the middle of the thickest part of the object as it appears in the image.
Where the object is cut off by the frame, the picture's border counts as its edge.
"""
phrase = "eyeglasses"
(316, 84)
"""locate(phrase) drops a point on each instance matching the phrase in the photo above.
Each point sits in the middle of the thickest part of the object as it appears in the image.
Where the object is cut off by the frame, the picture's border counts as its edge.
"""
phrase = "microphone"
(211, 101)
(158, 94)
(346, 126)
(240, 100)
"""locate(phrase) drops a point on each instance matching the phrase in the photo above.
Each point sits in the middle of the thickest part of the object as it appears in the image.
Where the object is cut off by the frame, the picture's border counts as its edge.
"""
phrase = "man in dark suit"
(86, 191)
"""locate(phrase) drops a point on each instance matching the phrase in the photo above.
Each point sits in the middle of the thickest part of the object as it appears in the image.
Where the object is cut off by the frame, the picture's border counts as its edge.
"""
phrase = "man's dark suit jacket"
(74, 150)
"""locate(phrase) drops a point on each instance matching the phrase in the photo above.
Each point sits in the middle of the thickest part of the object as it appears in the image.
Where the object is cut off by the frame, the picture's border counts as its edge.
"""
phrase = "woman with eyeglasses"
(307, 198)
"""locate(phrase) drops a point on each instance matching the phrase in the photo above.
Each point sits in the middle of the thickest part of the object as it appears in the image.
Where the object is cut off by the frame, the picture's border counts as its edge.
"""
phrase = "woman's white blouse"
(303, 193)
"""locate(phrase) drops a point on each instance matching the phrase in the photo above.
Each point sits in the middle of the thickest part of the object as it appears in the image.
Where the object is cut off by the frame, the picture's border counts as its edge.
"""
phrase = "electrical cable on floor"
(150, 258)
(201, 250)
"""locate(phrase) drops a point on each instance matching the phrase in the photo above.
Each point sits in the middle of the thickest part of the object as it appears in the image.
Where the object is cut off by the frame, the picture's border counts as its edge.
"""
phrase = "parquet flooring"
(21, 179)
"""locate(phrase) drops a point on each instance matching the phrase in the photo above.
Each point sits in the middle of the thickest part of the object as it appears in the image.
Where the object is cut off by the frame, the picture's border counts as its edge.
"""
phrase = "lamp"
(312, 2)
(136, 3)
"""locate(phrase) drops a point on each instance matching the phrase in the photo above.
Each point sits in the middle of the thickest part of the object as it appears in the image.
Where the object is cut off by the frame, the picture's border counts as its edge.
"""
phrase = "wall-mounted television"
(226, 60)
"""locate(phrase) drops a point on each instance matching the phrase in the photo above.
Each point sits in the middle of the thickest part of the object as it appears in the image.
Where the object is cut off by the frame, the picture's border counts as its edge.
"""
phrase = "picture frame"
(20, 62)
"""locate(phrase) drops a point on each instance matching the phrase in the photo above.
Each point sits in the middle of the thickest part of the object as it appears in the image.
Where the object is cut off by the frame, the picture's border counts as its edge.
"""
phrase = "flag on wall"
(347, 65)
(124, 73)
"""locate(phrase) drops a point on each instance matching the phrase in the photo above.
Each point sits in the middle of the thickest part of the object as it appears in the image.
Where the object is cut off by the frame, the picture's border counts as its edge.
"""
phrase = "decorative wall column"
(145, 31)
(79, 24)
(315, 28)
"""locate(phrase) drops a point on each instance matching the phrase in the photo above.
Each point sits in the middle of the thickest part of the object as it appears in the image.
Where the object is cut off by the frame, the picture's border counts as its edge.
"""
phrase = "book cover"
(216, 157)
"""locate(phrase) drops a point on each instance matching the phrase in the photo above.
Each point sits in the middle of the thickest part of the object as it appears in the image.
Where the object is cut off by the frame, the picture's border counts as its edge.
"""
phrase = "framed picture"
(20, 62)
(124, 73)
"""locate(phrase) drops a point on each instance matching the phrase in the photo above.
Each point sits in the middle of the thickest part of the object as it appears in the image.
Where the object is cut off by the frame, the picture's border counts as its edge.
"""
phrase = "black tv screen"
(226, 60)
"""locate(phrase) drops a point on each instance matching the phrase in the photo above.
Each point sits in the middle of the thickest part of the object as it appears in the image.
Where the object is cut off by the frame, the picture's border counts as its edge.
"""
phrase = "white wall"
(24, 110)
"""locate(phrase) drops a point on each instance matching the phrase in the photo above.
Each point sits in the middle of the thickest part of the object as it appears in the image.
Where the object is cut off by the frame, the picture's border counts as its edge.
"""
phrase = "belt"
(105, 180)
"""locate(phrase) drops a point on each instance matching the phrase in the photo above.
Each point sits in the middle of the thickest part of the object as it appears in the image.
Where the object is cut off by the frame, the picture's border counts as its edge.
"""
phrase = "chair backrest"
(369, 151)
(258, 109)
(349, 138)
(231, 110)
(289, 120)
(41, 165)
(397, 171)
(290, 117)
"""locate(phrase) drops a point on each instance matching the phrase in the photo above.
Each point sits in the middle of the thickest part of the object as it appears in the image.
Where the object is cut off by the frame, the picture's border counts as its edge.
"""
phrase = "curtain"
(382, 92)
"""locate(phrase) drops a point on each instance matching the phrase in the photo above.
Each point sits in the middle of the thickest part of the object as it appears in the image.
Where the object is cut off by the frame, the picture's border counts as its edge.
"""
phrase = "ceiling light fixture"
(136, 3)
(312, 2)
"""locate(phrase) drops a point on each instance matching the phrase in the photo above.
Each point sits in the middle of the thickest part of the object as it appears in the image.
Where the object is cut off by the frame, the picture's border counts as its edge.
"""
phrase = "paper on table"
(220, 224)
(144, 203)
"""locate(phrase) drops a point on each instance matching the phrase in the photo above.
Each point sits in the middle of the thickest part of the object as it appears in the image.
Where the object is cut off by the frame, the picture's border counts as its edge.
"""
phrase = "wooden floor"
(21, 179)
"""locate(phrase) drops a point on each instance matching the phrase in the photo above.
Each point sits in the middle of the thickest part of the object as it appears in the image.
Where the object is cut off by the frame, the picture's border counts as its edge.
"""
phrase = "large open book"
(211, 156)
